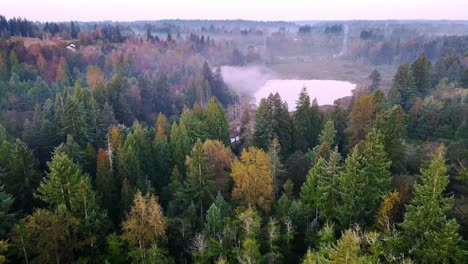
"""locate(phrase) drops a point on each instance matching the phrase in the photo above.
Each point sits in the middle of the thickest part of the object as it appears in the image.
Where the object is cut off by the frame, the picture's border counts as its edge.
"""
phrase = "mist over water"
(259, 82)
(247, 80)
(325, 91)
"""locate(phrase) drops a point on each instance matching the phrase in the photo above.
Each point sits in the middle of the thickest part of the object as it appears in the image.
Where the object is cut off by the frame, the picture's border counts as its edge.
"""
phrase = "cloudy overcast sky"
(289, 10)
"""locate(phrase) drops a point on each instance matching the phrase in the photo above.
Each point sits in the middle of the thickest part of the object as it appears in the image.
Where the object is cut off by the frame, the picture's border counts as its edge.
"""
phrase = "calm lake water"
(326, 91)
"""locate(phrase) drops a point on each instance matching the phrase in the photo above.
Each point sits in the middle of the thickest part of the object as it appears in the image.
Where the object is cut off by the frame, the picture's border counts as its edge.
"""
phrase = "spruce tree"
(427, 233)
(375, 78)
(422, 72)
(19, 173)
(199, 185)
(180, 145)
(7, 218)
(217, 122)
(365, 179)
(66, 184)
(302, 120)
(393, 129)
(404, 85)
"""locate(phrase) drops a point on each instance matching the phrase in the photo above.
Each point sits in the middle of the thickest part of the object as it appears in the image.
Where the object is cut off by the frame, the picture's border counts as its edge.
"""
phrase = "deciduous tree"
(253, 182)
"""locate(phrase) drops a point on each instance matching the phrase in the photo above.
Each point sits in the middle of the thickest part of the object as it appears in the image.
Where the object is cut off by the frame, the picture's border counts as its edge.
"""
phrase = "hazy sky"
(130, 10)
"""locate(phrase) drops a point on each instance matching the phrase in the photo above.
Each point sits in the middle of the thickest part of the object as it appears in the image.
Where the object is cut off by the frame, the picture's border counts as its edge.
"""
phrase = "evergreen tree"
(326, 142)
(180, 144)
(162, 161)
(375, 78)
(246, 129)
(464, 79)
(65, 184)
(19, 175)
(404, 85)
(303, 123)
(422, 72)
(106, 185)
(273, 120)
(427, 233)
(366, 178)
(132, 165)
(217, 122)
(264, 125)
(327, 186)
(393, 129)
(7, 218)
(199, 185)
(340, 121)
(74, 121)
(278, 170)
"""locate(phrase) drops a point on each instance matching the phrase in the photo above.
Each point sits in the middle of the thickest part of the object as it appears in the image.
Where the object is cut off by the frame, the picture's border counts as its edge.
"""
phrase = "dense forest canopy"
(121, 142)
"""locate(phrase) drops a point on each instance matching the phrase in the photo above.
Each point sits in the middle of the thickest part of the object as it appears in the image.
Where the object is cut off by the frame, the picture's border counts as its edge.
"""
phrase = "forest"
(121, 142)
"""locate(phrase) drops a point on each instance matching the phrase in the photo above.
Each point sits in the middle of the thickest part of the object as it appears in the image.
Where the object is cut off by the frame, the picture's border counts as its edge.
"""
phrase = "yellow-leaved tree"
(253, 180)
(145, 225)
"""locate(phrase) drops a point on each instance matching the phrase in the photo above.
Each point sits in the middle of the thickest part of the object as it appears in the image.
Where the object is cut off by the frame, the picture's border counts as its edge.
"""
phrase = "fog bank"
(247, 80)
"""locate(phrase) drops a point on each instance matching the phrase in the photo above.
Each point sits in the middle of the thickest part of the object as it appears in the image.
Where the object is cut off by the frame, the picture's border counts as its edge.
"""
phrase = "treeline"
(95, 173)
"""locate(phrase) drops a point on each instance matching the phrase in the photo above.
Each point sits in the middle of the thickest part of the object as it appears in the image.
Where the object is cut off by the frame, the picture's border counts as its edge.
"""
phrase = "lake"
(326, 91)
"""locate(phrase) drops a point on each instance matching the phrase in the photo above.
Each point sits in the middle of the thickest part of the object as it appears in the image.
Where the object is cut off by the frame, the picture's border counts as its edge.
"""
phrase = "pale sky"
(288, 10)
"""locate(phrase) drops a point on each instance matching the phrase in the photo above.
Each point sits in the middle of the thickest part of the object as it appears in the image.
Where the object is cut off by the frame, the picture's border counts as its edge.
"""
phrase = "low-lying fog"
(259, 82)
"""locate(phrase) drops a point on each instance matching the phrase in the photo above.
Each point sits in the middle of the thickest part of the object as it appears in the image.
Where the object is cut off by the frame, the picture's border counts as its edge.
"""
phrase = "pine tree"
(199, 185)
(427, 233)
(366, 178)
(253, 182)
